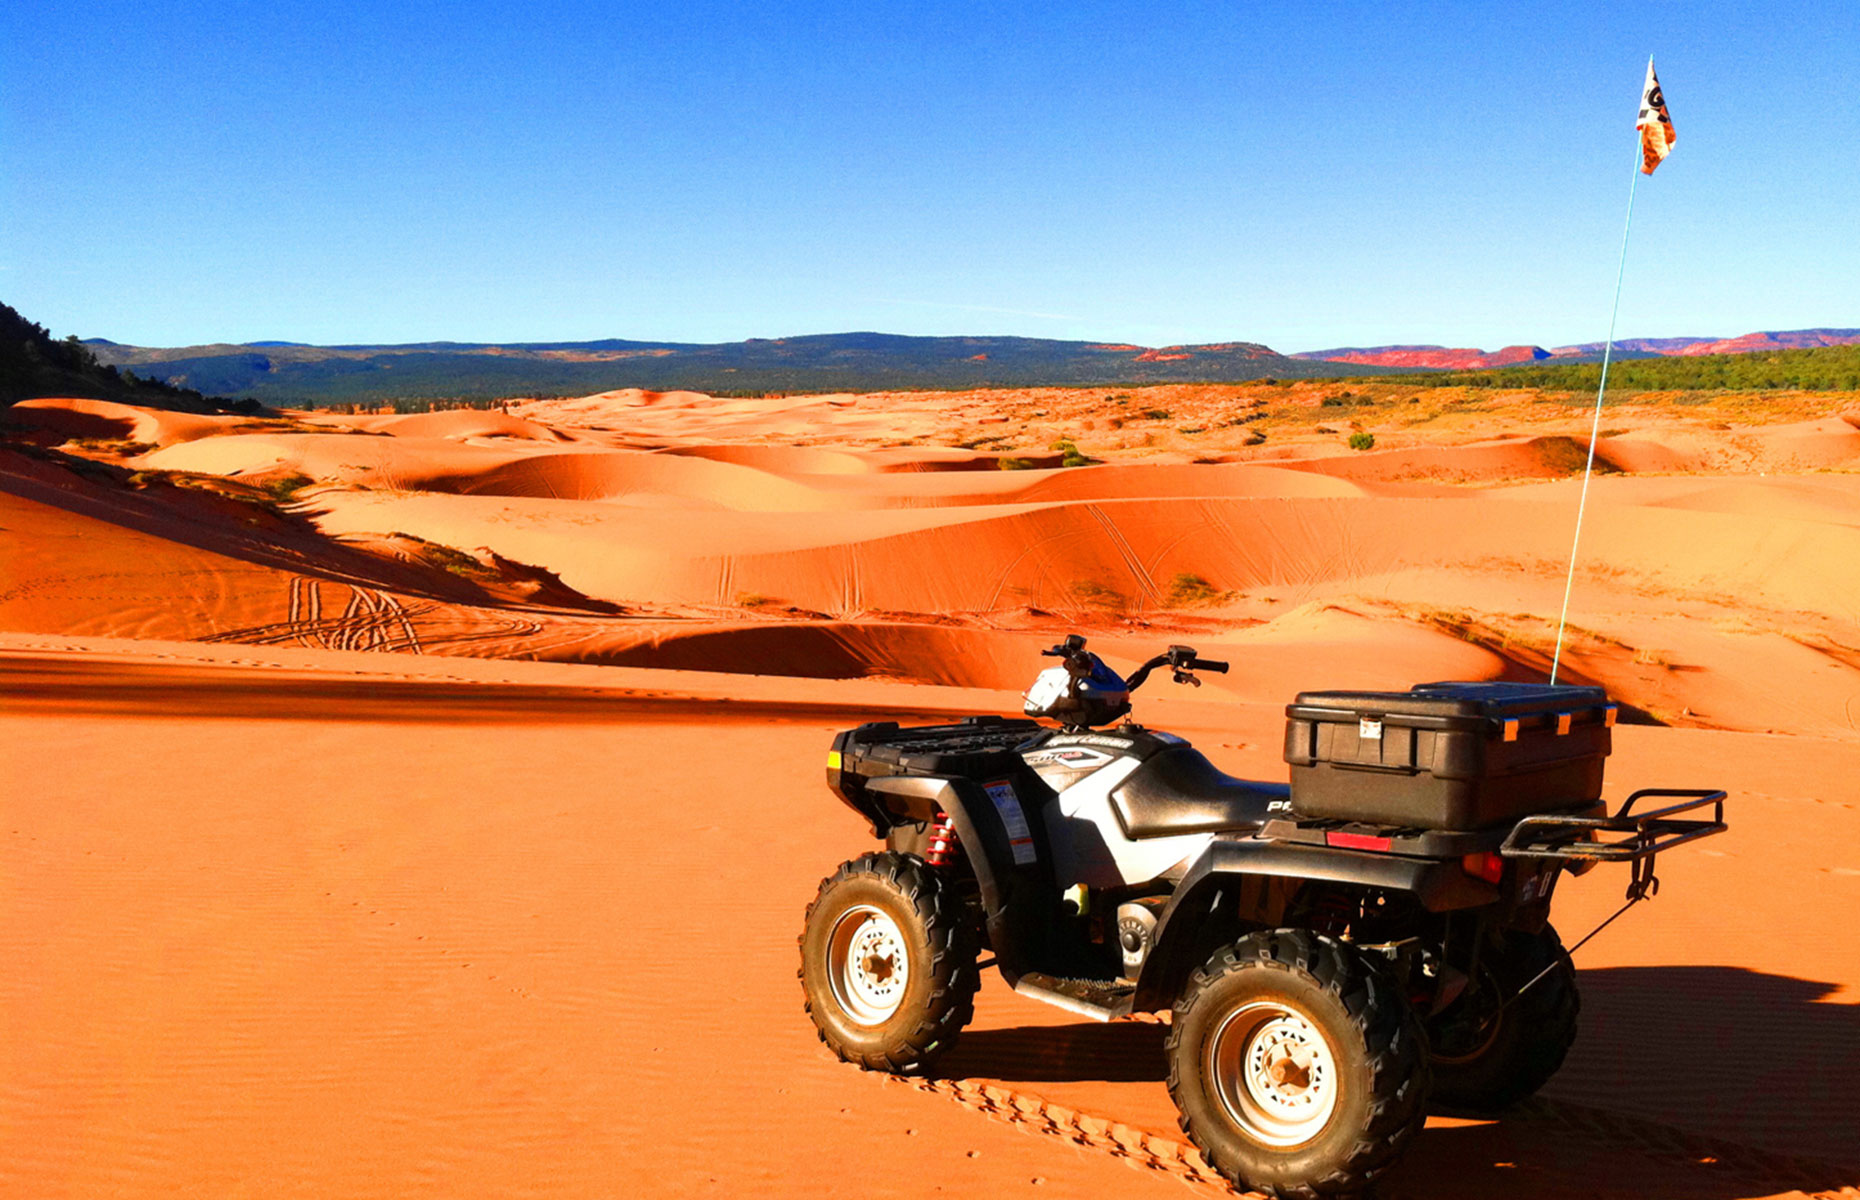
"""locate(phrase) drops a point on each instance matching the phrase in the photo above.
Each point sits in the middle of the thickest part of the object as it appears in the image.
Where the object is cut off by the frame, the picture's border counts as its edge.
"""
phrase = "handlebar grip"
(1208, 664)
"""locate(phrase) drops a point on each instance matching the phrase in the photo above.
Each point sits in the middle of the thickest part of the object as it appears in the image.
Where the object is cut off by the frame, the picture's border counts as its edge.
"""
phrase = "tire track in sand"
(1030, 1114)
(1132, 560)
(371, 620)
(1747, 1165)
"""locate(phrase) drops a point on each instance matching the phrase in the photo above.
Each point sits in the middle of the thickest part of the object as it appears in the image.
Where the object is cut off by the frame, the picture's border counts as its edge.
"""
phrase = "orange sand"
(284, 918)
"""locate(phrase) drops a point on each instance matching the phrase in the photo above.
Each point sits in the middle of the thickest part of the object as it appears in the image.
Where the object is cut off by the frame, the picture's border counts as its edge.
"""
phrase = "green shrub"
(446, 558)
(283, 487)
(1072, 456)
(1188, 589)
(122, 446)
(1362, 441)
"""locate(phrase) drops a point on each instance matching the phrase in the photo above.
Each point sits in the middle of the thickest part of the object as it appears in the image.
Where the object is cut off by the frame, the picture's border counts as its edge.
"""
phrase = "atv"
(1333, 952)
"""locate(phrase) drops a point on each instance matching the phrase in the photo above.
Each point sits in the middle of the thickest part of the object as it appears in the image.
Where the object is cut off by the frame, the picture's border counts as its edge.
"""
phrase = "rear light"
(1357, 841)
(1489, 867)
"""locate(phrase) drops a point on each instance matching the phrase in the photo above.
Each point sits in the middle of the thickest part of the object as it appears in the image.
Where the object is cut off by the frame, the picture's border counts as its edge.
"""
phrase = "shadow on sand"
(1711, 1082)
(72, 687)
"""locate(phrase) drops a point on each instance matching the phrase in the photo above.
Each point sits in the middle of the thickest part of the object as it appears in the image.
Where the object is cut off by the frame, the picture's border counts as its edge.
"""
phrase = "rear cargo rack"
(1580, 838)
(1391, 839)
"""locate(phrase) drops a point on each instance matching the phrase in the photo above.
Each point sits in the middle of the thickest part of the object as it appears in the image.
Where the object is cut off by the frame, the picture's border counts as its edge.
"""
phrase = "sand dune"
(1508, 459)
(1120, 556)
(291, 918)
(779, 459)
(1357, 652)
(1697, 591)
(456, 424)
(77, 418)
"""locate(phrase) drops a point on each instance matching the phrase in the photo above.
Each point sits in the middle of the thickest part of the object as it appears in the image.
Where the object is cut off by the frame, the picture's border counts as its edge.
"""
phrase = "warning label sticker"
(1020, 837)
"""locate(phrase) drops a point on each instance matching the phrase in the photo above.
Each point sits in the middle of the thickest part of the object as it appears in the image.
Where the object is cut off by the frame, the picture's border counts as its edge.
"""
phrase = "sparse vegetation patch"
(1188, 590)
(284, 487)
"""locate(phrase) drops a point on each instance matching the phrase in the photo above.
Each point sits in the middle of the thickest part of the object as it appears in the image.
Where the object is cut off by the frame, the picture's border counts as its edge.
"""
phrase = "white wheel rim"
(1274, 1073)
(868, 965)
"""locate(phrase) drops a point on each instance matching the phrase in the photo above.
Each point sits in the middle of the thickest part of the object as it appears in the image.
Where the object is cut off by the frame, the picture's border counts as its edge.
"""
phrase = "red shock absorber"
(940, 850)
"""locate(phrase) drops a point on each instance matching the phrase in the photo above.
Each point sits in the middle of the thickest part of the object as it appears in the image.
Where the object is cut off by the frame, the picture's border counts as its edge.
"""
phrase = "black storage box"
(1455, 756)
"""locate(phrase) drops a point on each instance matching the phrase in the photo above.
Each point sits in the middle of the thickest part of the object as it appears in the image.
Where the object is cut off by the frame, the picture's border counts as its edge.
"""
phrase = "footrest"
(1099, 999)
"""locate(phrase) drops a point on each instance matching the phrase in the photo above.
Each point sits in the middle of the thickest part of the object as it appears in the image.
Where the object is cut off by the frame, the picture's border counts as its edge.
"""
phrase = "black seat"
(1179, 791)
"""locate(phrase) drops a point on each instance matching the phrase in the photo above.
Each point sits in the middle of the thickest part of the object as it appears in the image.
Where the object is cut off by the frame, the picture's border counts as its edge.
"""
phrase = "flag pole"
(1595, 425)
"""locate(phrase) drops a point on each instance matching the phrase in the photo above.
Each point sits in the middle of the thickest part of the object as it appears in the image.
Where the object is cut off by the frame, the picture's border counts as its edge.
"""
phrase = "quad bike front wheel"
(888, 963)
(1492, 1047)
(1300, 1070)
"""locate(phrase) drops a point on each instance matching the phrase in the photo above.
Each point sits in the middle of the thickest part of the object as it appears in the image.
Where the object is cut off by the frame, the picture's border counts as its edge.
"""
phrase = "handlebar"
(1180, 660)
(1078, 662)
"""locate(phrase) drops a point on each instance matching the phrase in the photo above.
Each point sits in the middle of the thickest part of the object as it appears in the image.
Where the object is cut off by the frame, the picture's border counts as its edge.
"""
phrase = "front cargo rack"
(972, 746)
(1648, 833)
(974, 735)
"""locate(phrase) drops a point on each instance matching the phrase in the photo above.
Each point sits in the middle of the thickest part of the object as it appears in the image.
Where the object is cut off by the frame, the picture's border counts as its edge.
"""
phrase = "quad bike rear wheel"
(1299, 1068)
(888, 963)
(1493, 1047)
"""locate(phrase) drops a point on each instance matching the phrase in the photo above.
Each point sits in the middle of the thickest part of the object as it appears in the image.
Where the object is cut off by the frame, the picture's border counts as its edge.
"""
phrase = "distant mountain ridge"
(1430, 357)
(1448, 358)
(294, 373)
(281, 372)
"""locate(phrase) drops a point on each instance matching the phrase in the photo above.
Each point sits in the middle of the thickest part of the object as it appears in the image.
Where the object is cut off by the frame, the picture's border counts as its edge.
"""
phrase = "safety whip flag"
(1656, 127)
(1656, 142)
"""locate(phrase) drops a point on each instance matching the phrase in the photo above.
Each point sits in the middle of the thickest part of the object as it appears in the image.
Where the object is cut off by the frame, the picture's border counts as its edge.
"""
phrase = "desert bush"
(1072, 455)
(283, 487)
(1362, 441)
(1188, 589)
(122, 446)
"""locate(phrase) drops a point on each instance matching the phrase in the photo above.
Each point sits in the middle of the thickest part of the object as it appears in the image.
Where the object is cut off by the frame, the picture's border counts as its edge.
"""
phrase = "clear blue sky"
(1303, 175)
